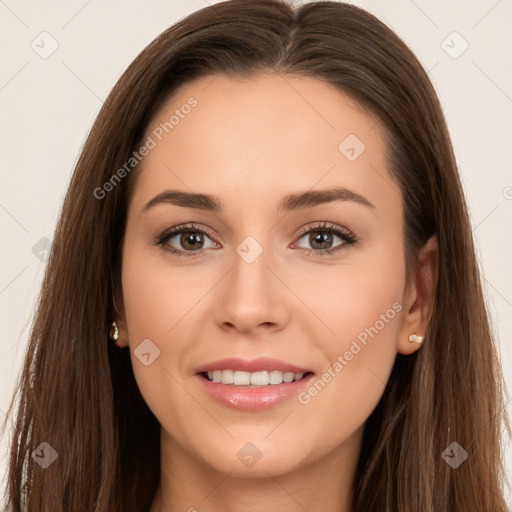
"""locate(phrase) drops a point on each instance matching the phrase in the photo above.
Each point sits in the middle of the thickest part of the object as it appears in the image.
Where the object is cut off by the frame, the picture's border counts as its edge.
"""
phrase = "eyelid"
(190, 226)
(328, 226)
(342, 232)
(346, 235)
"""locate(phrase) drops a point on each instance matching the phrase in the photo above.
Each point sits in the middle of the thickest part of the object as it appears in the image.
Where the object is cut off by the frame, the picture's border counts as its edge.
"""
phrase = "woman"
(195, 349)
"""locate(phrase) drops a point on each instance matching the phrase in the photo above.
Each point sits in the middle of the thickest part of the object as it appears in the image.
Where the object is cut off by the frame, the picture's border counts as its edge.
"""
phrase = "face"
(268, 267)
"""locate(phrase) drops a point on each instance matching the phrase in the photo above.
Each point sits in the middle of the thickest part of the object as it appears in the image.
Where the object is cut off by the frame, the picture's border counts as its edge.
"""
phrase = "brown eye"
(191, 241)
(321, 239)
(185, 239)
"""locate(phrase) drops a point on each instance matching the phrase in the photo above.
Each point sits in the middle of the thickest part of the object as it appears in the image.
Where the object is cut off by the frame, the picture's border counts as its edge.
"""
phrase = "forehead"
(264, 136)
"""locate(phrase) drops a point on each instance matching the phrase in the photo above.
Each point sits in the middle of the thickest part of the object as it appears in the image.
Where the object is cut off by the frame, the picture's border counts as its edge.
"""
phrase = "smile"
(256, 379)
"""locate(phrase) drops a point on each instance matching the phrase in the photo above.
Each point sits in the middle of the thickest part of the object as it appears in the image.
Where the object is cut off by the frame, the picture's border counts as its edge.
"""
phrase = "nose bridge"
(251, 262)
(251, 294)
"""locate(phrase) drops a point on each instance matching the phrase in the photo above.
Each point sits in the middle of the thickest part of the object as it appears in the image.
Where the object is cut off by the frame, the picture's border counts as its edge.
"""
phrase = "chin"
(258, 459)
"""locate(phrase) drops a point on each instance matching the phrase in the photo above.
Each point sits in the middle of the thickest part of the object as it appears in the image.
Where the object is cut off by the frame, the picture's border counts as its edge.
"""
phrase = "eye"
(188, 238)
(322, 237)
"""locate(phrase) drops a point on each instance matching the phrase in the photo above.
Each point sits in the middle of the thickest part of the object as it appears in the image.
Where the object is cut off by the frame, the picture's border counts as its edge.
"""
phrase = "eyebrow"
(295, 201)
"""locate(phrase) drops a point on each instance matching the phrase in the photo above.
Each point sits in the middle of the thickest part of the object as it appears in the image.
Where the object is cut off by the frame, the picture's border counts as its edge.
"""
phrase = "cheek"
(349, 298)
(361, 306)
(157, 299)
(160, 296)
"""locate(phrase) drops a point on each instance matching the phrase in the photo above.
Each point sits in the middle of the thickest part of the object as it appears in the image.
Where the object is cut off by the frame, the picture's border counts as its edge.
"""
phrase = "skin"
(250, 142)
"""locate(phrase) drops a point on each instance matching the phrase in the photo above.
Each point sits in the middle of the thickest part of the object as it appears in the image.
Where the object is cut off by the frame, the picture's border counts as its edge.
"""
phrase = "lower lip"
(253, 399)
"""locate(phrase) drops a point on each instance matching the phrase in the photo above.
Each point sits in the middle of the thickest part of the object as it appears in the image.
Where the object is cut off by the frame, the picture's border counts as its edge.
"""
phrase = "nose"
(252, 298)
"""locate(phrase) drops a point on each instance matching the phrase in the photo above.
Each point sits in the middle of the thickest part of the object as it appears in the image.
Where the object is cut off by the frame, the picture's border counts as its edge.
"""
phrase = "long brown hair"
(77, 391)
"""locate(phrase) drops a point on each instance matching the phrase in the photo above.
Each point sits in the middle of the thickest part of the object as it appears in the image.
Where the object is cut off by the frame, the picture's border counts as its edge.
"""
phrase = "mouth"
(253, 391)
(244, 379)
(252, 384)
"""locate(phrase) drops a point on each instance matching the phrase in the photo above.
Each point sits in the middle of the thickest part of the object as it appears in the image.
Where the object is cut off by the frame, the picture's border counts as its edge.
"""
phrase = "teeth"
(242, 378)
(227, 376)
(263, 378)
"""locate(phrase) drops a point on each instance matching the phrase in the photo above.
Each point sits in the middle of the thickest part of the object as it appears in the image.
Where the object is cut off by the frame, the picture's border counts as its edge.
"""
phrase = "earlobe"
(419, 300)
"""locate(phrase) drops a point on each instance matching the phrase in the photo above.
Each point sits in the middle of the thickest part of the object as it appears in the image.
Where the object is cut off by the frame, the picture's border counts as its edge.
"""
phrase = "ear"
(120, 317)
(419, 297)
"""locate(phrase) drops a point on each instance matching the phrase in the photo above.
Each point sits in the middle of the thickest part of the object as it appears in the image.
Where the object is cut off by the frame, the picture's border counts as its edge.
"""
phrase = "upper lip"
(252, 365)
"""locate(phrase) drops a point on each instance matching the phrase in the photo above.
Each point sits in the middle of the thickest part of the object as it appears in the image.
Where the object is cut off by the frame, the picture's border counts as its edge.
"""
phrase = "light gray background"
(48, 105)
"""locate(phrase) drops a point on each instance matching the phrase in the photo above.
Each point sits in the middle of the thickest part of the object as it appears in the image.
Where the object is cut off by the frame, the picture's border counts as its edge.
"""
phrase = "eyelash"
(347, 236)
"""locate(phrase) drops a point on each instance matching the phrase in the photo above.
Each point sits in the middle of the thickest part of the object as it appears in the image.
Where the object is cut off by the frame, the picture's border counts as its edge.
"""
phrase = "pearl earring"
(114, 332)
(416, 338)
